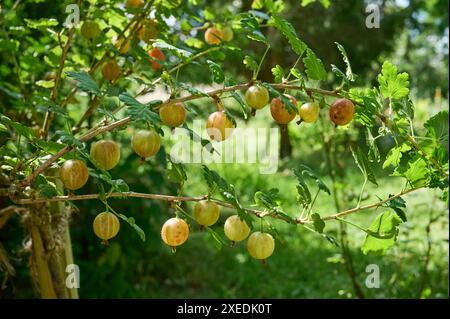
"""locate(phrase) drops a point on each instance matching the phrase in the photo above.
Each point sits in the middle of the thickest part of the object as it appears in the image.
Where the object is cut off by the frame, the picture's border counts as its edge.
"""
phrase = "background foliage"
(413, 35)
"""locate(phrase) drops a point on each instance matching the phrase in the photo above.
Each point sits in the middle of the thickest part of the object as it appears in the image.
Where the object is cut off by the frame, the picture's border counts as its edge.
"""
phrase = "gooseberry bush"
(120, 51)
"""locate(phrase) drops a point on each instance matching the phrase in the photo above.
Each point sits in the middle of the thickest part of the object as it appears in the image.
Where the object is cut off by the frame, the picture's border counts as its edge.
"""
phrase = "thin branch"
(49, 115)
(374, 205)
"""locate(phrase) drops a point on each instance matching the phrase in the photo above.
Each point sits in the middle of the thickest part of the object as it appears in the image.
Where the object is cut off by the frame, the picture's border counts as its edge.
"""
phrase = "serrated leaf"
(437, 128)
(286, 28)
(278, 73)
(85, 82)
(139, 111)
(20, 129)
(318, 223)
(314, 66)
(192, 90)
(251, 27)
(348, 72)
(41, 24)
(363, 164)
(164, 45)
(217, 72)
(250, 63)
(395, 155)
(392, 84)
(382, 233)
(416, 172)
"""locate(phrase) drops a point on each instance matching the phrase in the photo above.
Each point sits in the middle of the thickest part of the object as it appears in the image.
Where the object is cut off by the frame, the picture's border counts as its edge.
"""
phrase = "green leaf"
(85, 82)
(382, 233)
(318, 223)
(250, 63)
(131, 222)
(192, 90)
(216, 71)
(364, 165)
(278, 73)
(395, 155)
(397, 204)
(176, 172)
(251, 27)
(214, 180)
(392, 84)
(308, 172)
(160, 44)
(288, 31)
(374, 152)
(268, 201)
(20, 129)
(241, 103)
(314, 66)
(416, 172)
(139, 111)
(348, 72)
(41, 24)
(437, 128)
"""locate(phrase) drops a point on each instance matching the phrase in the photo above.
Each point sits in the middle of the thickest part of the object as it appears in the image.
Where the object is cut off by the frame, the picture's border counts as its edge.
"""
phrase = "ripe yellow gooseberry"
(106, 226)
(111, 70)
(106, 153)
(227, 33)
(175, 232)
(257, 97)
(213, 36)
(309, 112)
(260, 245)
(279, 113)
(74, 174)
(173, 115)
(90, 30)
(342, 111)
(134, 3)
(206, 213)
(146, 143)
(236, 229)
(219, 127)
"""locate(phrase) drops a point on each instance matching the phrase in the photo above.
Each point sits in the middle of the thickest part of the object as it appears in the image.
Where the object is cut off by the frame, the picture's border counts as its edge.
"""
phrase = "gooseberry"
(106, 153)
(148, 31)
(173, 114)
(309, 112)
(257, 97)
(342, 111)
(206, 213)
(175, 232)
(227, 33)
(155, 56)
(236, 229)
(279, 113)
(146, 143)
(106, 226)
(134, 3)
(260, 245)
(90, 30)
(74, 174)
(111, 70)
(213, 36)
(219, 126)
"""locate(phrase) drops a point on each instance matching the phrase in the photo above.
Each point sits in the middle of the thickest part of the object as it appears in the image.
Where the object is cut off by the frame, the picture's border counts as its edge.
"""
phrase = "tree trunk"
(285, 142)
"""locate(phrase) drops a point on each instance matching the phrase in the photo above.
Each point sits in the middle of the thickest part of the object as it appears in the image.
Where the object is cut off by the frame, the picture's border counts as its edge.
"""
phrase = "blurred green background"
(414, 35)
